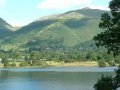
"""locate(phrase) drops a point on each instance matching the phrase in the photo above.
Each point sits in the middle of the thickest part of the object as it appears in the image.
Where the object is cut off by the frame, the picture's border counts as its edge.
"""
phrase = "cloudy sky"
(21, 12)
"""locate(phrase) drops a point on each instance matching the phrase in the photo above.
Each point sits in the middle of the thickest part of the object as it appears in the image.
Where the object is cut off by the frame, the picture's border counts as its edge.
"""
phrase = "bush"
(101, 64)
(111, 63)
(22, 64)
(69, 61)
(12, 64)
(117, 59)
(38, 63)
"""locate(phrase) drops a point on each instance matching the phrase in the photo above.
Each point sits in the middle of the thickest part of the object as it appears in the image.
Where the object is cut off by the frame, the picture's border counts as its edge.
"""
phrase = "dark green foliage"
(66, 54)
(22, 64)
(110, 37)
(13, 65)
(15, 56)
(111, 63)
(4, 58)
(99, 57)
(117, 59)
(38, 63)
(105, 83)
(101, 63)
(35, 56)
(69, 61)
(6, 63)
(108, 82)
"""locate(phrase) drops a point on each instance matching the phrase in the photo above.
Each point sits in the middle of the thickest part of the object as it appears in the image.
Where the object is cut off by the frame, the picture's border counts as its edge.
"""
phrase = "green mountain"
(69, 29)
(5, 28)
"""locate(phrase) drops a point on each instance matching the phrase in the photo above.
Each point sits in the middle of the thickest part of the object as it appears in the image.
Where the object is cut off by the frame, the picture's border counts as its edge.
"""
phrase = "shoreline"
(58, 64)
(74, 64)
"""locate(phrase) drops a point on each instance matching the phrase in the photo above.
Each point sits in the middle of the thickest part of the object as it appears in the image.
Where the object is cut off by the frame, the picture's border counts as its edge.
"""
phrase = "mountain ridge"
(67, 29)
(5, 28)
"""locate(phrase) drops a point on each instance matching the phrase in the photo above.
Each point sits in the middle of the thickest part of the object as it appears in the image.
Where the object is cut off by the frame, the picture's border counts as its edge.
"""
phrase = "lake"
(52, 78)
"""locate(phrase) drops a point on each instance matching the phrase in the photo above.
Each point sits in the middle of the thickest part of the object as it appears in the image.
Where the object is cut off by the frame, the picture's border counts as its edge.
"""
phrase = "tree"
(16, 56)
(5, 62)
(105, 83)
(110, 39)
(109, 82)
(4, 58)
(110, 23)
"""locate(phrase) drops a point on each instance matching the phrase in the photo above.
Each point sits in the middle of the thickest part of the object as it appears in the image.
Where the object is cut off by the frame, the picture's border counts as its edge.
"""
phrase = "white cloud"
(2, 3)
(68, 4)
(62, 4)
(99, 7)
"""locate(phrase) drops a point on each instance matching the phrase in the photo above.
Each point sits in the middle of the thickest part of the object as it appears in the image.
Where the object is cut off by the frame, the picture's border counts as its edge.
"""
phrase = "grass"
(57, 63)
(82, 64)
(54, 63)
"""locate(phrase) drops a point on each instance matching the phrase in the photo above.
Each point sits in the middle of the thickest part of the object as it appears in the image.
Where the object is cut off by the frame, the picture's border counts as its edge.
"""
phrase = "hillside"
(69, 29)
(5, 28)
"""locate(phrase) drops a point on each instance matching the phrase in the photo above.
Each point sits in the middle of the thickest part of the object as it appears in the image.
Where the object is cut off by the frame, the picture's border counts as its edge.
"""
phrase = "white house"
(0, 60)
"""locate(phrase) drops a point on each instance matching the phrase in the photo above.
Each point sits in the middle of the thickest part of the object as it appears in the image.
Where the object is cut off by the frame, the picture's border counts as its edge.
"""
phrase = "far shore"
(81, 64)
(59, 64)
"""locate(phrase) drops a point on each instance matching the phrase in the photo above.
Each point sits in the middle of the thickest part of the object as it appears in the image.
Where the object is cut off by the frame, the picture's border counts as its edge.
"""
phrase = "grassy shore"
(62, 64)
(82, 64)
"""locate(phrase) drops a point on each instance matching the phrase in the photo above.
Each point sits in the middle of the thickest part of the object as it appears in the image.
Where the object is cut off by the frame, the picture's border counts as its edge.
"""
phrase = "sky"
(22, 12)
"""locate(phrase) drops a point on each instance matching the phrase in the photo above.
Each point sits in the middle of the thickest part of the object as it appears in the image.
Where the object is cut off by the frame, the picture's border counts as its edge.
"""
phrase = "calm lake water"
(52, 78)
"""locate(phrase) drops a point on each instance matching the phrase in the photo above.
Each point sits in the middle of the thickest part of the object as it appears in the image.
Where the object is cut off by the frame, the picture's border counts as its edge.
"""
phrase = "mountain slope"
(5, 28)
(64, 30)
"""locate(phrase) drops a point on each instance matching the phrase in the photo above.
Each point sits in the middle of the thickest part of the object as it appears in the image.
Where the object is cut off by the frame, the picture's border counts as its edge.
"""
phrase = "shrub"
(111, 63)
(69, 61)
(117, 59)
(39, 63)
(22, 64)
(12, 64)
(101, 64)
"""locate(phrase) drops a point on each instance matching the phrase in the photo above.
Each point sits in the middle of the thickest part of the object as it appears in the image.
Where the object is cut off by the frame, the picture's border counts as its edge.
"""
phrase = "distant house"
(0, 60)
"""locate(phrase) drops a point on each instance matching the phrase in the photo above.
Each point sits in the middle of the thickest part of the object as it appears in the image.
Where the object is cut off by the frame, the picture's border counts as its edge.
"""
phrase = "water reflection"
(48, 80)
